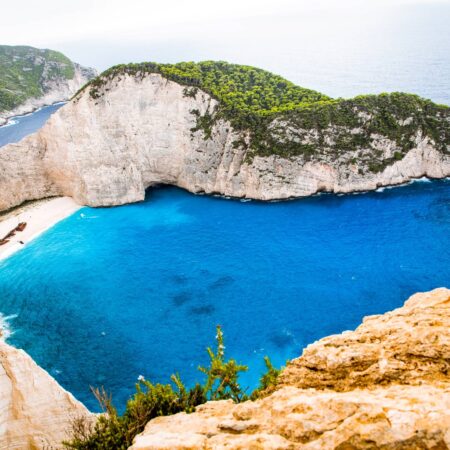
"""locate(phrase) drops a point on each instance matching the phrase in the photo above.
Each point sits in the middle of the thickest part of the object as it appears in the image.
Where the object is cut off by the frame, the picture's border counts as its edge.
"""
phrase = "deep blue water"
(21, 126)
(110, 294)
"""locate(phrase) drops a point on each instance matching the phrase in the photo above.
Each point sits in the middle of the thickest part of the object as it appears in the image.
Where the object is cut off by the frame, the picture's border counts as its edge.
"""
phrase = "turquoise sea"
(113, 293)
(21, 126)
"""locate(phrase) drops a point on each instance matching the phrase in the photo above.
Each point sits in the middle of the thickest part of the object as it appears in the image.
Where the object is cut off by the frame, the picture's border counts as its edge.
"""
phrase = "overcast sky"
(56, 21)
(341, 47)
(86, 27)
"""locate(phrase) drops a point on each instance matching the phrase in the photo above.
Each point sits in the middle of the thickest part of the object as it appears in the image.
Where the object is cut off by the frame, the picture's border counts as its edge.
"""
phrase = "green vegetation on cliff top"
(25, 72)
(240, 89)
(283, 119)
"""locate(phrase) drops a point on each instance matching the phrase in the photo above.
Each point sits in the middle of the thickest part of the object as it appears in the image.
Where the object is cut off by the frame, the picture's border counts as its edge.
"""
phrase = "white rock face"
(56, 91)
(35, 411)
(107, 151)
(394, 417)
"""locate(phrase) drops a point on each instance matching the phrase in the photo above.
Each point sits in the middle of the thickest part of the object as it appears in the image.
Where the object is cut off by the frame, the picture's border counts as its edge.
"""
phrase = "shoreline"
(39, 216)
(420, 179)
(8, 120)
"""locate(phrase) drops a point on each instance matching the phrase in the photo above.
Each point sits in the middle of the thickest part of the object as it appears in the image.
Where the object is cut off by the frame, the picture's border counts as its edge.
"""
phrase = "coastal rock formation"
(107, 146)
(410, 345)
(385, 385)
(31, 78)
(35, 411)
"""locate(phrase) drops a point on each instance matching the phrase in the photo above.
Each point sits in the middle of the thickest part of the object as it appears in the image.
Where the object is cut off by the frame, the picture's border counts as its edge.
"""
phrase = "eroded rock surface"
(108, 150)
(385, 385)
(410, 345)
(35, 411)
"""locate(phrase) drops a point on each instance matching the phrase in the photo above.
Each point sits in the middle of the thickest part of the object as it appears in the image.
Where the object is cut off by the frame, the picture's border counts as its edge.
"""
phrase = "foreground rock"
(108, 147)
(410, 345)
(385, 385)
(35, 411)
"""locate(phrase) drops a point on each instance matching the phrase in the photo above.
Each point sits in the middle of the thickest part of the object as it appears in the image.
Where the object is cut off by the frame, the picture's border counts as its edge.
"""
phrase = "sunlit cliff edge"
(35, 411)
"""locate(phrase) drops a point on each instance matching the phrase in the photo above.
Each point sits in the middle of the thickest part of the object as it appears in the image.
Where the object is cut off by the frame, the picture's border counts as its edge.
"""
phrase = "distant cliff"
(31, 78)
(222, 129)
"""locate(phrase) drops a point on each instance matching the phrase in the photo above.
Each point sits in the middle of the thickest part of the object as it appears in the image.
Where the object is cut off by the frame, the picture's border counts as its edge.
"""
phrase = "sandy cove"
(39, 217)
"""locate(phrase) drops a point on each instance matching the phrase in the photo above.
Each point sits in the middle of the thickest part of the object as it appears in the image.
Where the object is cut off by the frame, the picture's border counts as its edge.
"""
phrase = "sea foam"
(5, 326)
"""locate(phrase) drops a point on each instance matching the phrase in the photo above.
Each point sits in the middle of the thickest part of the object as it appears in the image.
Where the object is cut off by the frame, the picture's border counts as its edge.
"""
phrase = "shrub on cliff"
(268, 380)
(222, 376)
(114, 431)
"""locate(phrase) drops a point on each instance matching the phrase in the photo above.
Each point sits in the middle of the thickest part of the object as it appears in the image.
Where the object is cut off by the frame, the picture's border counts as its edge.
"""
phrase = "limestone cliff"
(31, 78)
(35, 412)
(108, 146)
(385, 385)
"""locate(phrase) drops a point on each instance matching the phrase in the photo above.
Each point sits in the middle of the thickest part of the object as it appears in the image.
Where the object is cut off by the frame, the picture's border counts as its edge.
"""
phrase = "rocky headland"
(31, 78)
(141, 125)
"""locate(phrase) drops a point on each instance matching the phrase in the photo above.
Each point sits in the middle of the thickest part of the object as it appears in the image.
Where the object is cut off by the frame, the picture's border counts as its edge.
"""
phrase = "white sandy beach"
(39, 217)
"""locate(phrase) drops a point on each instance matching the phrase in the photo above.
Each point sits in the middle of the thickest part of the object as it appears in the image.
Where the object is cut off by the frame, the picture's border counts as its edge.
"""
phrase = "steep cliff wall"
(140, 130)
(385, 385)
(31, 78)
(35, 412)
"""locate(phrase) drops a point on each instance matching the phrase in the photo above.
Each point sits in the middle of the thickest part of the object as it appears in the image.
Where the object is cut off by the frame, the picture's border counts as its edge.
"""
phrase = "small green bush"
(268, 380)
(114, 431)
(222, 376)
